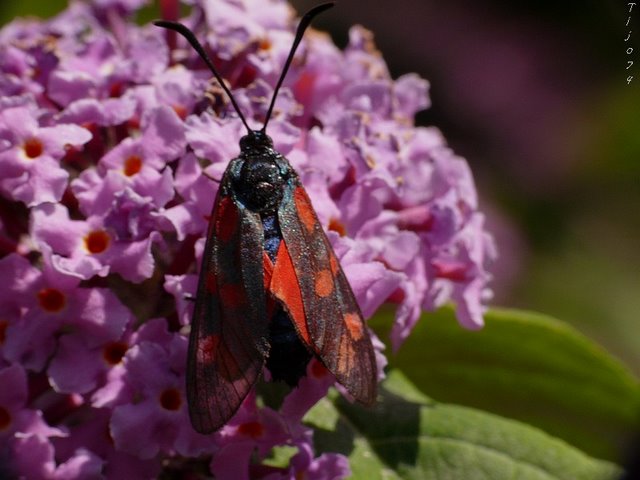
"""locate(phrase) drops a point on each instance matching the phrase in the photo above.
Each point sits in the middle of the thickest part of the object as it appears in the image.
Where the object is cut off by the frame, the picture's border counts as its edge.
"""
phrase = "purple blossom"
(24, 435)
(154, 418)
(110, 158)
(30, 159)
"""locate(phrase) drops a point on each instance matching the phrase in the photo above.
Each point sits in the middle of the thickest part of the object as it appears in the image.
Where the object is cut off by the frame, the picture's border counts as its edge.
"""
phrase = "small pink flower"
(30, 158)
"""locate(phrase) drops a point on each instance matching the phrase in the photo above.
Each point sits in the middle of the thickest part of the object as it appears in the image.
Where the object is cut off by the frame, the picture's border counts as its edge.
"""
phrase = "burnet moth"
(271, 291)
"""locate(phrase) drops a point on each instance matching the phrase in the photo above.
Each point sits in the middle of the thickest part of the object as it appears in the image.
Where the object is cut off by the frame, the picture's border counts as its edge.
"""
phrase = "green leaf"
(407, 436)
(527, 367)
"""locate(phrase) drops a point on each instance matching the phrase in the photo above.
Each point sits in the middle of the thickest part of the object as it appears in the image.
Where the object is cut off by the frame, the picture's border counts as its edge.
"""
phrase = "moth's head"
(255, 141)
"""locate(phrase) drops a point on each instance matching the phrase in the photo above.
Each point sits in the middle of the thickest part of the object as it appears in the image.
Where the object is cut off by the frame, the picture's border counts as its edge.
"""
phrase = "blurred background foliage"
(534, 95)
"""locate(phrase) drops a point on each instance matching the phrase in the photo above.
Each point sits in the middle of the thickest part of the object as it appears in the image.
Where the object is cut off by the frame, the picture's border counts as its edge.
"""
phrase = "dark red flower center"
(114, 351)
(51, 300)
(170, 399)
(33, 148)
(337, 226)
(132, 165)
(251, 429)
(97, 241)
(180, 110)
(264, 44)
(5, 419)
(3, 330)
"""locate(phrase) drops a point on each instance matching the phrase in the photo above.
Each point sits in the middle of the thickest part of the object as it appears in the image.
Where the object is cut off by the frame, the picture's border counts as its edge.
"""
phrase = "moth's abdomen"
(288, 357)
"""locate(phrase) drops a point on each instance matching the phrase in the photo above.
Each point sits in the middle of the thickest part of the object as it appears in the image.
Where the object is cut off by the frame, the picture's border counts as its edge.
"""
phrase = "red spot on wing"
(207, 348)
(304, 209)
(285, 287)
(229, 368)
(323, 283)
(354, 325)
(231, 295)
(226, 219)
(211, 284)
(345, 356)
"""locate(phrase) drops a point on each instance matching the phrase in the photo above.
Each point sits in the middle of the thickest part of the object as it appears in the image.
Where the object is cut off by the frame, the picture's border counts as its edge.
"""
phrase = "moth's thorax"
(259, 183)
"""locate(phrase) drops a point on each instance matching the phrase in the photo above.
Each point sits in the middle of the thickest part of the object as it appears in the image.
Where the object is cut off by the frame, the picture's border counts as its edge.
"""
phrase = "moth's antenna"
(191, 38)
(304, 23)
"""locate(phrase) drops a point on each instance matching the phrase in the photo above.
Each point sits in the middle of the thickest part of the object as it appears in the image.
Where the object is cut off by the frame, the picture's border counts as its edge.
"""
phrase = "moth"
(271, 291)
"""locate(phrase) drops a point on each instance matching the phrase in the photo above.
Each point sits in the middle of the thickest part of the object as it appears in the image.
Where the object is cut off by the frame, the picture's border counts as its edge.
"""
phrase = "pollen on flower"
(252, 429)
(337, 226)
(5, 419)
(51, 300)
(264, 44)
(97, 241)
(180, 110)
(370, 161)
(33, 147)
(116, 89)
(132, 165)
(114, 352)
(170, 399)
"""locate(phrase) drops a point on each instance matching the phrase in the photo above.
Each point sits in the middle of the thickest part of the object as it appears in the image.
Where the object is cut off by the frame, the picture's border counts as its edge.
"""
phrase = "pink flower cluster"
(107, 148)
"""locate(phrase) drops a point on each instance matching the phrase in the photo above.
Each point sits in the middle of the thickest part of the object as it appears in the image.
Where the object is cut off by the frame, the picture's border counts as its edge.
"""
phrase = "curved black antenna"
(302, 26)
(305, 21)
(191, 38)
